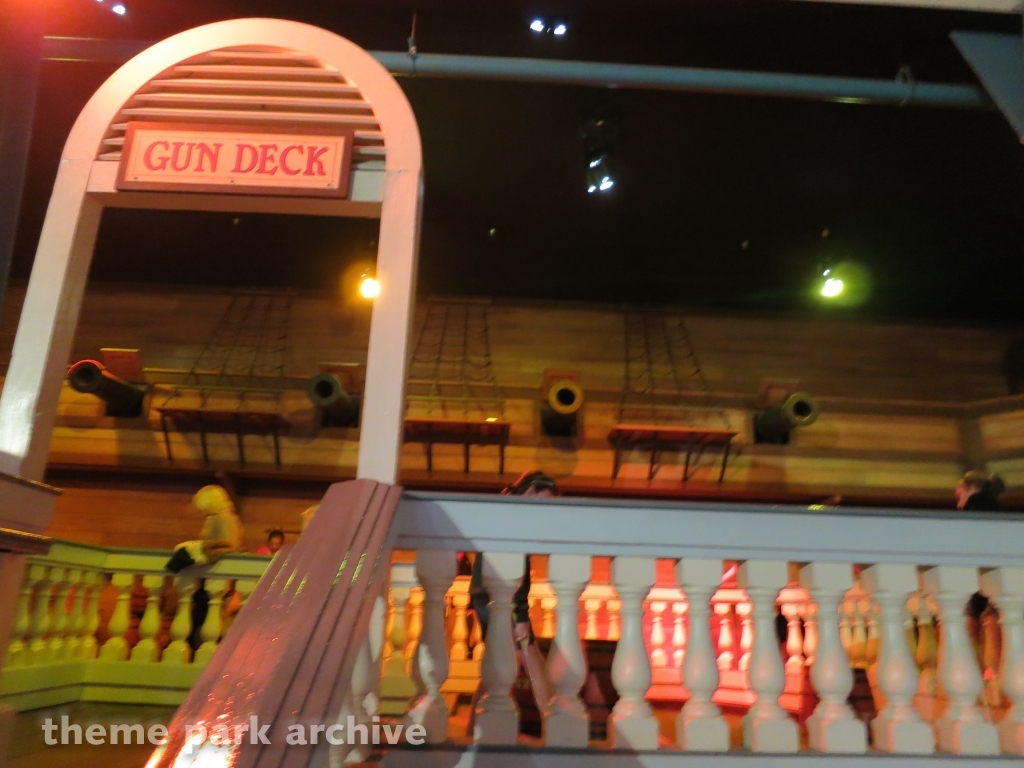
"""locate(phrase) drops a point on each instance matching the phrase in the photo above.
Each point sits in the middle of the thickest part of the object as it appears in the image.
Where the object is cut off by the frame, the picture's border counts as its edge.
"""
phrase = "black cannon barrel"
(92, 377)
(327, 393)
(559, 411)
(774, 424)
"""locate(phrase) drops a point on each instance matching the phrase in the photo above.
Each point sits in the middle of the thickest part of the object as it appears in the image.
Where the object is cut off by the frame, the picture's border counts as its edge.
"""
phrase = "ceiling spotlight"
(537, 25)
(591, 189)
(606, 184)
(832, 288)
(369, 288)
(560, 29)
(119, 9)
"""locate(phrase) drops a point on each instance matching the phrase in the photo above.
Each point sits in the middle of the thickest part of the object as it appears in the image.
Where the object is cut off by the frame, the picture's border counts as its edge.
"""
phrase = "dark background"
(928, 201)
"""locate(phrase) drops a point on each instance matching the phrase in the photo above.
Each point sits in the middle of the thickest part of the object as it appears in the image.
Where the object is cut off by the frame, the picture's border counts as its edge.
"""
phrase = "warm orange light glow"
(369, 288)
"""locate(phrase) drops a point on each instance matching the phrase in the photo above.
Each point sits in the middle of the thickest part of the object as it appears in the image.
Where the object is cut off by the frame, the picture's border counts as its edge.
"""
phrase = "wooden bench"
(658, 438)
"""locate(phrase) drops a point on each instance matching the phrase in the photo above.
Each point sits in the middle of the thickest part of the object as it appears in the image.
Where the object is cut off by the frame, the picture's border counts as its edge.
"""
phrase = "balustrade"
(785, 634)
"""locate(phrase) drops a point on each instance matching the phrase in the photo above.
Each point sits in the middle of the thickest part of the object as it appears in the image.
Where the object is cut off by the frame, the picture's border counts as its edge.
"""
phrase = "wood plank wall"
(893, 397)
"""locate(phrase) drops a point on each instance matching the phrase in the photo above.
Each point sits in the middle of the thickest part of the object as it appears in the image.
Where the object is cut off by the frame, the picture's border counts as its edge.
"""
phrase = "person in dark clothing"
(534, 483)
(979, 491)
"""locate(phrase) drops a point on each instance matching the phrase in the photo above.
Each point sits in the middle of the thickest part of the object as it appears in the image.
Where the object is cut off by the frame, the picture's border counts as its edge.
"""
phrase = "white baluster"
(632, 725)
(1005, 586)
(766, 726)
(460, 627)
(116, 647)
(700, 725)
(794, 639)
(56, 649)
(614, 608)
(39, 626)
(497, 717)
(926, 654)
(591, 606)
(810, 633)
(76, 618)
(832, 727)
(961, 729)
(898, 727)
(725, 636)
(658, 656)
(746, 634)
(211, 630)
(91, 581)
(18, 650)
(178, 651)
(565, 718)
(146, 650)
(435, 570)
(679, 634)
(365, 679)
(396, 686)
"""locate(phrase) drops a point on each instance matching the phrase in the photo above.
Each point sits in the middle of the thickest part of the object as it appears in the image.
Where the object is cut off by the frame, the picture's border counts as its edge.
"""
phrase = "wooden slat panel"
(245, 116)
(292, 86)
(254, 102)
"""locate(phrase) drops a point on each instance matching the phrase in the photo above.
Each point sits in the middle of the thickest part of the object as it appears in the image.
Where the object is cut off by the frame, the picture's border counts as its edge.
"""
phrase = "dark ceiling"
(719, 200)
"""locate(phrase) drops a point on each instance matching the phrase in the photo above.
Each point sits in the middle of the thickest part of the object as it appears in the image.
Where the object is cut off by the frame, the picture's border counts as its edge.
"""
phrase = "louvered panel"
(198, 84)
(258, 86)
(236, 70)
(265, 57)
(253, 102)
(245, 116)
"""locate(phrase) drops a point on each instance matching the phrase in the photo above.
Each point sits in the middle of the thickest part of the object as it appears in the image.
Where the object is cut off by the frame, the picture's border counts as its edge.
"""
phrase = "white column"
(700, 725)
(1005, 586)
(497, 717)
(632, 725)
(435, 570)
(766, 726)
(832, 727)
(898, 727)
(146, 649)
(962, 729)
(178, 650)
(565, 719)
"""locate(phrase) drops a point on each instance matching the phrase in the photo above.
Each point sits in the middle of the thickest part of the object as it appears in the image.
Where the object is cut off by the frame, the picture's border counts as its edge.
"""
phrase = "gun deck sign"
(239, 160)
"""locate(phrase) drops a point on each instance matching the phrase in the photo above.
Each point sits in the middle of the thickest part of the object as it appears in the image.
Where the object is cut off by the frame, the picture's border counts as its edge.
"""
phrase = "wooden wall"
(895, 401)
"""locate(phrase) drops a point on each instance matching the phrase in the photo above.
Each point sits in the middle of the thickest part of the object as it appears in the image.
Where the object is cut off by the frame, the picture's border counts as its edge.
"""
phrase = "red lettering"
(313, 156)
(238, 158)
(283, 161)
(206, 153)
(177, 166)
(147, 158)
(267, 157)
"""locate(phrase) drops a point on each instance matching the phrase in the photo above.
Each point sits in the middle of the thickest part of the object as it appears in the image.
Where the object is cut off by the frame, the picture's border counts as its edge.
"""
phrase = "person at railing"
(979, 491)
(528, 656)
(275, 540)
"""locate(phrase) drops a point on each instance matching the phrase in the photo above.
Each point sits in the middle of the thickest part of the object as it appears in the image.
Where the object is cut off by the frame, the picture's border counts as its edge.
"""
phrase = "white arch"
(46, 329)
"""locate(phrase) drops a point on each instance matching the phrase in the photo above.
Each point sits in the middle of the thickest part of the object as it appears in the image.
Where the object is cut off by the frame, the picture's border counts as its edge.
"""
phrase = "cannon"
(774, 424)
(92, 377)
(338, 407)
(558, 413)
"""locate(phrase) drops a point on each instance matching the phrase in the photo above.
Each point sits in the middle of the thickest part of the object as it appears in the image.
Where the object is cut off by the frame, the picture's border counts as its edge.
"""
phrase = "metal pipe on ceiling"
(851, 90)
